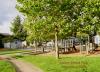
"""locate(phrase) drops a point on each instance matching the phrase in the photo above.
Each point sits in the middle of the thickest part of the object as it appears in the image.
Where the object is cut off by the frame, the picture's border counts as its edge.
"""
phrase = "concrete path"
(22, 66)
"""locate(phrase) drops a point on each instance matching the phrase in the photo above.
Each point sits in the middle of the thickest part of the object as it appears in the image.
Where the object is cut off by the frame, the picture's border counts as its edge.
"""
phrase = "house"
(13, 44)
(3, 35)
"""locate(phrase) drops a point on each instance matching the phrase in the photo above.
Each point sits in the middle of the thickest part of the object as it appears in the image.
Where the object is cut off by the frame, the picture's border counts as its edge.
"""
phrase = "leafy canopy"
(17, 29)
(69, 16)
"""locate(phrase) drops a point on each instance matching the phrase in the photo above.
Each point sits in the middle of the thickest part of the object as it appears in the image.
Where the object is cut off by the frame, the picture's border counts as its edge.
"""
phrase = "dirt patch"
(95, 53)
(2, 58)
(21, 66)
(24, 66)
(2, 49)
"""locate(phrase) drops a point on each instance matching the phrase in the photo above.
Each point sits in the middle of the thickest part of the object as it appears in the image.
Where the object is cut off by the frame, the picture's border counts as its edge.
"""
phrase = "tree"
(89, 19)
(17, 29)
(56, 19)
(47, 16)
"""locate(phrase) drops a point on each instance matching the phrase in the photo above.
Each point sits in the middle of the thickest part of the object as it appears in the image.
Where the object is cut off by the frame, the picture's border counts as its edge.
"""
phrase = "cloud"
(7, 14)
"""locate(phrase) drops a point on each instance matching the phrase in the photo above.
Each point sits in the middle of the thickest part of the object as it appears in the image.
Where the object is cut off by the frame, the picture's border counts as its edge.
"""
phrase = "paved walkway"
(22, 66)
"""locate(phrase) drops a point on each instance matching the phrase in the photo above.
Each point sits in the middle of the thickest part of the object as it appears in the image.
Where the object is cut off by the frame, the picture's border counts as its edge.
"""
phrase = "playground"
(72, 45)
(75, 55)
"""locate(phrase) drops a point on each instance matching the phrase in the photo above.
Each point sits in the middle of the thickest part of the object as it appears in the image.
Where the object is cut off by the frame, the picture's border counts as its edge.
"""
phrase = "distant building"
(14, 44)
(3, 35)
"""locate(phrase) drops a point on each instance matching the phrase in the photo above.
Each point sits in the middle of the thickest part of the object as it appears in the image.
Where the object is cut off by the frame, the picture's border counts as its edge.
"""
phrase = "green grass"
(12, 51)
(50, 64)
(65, 64)
(6, 67)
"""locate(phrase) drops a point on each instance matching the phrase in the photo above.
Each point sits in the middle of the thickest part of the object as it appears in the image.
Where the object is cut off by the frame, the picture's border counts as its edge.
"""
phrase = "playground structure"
(69, 45)
(80, 45)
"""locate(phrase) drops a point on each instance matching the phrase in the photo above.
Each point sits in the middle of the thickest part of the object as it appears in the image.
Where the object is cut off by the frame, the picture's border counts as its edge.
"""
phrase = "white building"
(16, 44)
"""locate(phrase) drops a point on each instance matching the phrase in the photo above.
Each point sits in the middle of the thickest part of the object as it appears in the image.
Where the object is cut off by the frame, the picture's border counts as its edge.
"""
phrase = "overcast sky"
(7, 14)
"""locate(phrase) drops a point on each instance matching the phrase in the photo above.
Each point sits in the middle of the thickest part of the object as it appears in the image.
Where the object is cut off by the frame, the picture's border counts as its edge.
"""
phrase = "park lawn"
(65, 64)
(6, 67)
(12, 51)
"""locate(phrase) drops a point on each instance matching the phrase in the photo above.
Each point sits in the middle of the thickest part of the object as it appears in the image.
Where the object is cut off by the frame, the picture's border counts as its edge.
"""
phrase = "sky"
(7, 13)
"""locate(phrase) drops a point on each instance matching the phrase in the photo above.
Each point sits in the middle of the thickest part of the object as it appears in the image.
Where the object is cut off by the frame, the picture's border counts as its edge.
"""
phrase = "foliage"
(17, 29)
(90, 17)
(44, 16)
(70, 16)
(8, 39)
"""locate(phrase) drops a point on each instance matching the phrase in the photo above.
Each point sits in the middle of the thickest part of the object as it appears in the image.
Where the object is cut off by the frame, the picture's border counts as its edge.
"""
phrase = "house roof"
(5, 34)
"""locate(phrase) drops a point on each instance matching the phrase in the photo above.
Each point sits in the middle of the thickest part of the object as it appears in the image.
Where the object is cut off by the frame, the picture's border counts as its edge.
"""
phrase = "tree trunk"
(35, 46)
(43, 49)
(56, 46)
(81, 45)
(52, 45)
(88, 45)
